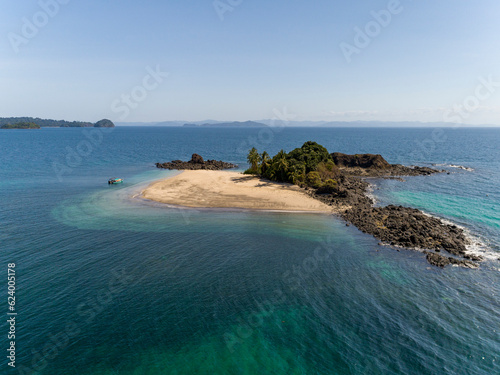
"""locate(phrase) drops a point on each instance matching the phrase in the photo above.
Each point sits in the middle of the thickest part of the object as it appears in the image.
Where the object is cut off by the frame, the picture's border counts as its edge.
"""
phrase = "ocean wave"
(370, 193)
(468, 169)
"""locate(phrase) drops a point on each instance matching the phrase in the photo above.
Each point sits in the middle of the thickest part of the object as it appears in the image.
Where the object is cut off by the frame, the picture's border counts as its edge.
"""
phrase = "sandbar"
(229, 189)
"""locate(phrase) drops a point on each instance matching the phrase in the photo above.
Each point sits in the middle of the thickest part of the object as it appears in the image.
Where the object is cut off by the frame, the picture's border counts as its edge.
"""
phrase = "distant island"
(11, 122)
(21, 125)
(104, 123)
(234, 124)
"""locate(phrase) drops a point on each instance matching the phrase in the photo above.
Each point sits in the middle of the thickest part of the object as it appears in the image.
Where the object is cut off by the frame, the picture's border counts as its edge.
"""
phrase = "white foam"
(476, 245)
(468, 169)
(370, 193)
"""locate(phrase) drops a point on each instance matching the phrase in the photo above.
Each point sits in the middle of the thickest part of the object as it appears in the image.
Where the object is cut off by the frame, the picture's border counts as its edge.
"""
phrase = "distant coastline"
(234, 124)
(21, 125)
(36, 123)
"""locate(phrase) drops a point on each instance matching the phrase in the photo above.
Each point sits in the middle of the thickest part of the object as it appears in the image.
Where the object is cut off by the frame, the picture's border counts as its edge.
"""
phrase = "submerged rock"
(442, 261)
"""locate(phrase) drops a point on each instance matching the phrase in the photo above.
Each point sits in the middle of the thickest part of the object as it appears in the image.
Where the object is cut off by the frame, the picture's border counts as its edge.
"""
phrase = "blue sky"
(86, 60)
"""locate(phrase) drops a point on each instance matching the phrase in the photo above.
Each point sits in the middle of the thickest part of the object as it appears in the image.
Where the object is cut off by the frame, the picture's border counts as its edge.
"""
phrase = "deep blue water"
(111, 284)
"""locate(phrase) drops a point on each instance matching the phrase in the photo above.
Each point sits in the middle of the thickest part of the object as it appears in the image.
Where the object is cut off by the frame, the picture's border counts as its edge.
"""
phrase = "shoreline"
(208, 189)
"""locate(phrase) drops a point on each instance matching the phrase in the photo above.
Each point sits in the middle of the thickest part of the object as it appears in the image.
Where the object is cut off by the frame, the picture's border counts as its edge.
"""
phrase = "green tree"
(329, 187)
(314, 179)
(253, 159)
(280, 164)
(296, 174)
(311, 154)
(265, 162)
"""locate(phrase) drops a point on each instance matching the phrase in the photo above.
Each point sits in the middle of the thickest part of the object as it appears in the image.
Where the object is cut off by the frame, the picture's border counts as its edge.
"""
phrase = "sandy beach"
(222, 189)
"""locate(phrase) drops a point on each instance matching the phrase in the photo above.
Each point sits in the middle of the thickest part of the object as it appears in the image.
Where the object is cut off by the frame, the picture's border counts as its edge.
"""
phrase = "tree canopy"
(310, 165)
(55, 123)
(21, 125)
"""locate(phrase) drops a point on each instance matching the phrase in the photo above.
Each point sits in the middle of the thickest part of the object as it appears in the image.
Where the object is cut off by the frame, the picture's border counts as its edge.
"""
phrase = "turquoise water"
(112, 284)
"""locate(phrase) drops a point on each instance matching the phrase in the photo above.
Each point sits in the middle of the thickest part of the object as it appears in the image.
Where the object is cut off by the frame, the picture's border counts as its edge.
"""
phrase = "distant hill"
(234, 124)
(44, 123)
(104, 123)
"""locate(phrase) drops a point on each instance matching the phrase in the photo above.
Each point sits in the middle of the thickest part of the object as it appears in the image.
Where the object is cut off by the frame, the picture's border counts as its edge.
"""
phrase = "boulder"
(196, 159)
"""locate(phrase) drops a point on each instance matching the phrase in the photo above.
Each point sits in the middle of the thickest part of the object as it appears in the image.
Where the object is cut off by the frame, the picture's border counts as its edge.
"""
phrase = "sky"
(238, 60)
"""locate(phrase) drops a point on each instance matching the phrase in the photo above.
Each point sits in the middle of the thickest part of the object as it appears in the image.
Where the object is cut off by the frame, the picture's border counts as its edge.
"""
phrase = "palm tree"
(253, 159)
(264, 162)
(282, 165)
(265, 157)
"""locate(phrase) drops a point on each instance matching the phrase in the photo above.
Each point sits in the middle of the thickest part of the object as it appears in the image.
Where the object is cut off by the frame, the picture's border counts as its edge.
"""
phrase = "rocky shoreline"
(398, 226)
(196, 163)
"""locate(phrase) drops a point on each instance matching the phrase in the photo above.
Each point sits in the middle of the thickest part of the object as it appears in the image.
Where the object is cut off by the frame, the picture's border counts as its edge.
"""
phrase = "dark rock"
(360, 160)
(370, 165)
(476, 258)
(436, 259)
(196, 163)
(463, 263)
(442, 261)
(195, 158)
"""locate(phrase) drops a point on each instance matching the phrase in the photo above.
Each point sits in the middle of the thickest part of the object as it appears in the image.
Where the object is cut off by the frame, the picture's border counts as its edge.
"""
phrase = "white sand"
(224, 189)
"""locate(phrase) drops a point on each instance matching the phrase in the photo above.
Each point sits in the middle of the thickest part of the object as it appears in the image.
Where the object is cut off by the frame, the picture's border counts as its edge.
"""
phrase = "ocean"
(108, 283)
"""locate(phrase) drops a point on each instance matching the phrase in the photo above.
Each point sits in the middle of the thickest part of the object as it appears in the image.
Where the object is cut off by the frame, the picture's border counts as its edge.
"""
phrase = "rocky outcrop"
(398, 226)
(409, 228)
(359, 160)
(371, 165)
(196, 163)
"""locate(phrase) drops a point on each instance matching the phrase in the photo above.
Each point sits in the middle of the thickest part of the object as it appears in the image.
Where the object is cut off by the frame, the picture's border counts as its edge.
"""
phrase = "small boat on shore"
(115, 180)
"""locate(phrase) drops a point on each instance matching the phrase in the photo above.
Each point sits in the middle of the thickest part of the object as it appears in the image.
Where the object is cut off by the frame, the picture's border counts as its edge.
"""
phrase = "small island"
(8, 122)
(294, 181)
(21, 125)
(104, 123)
